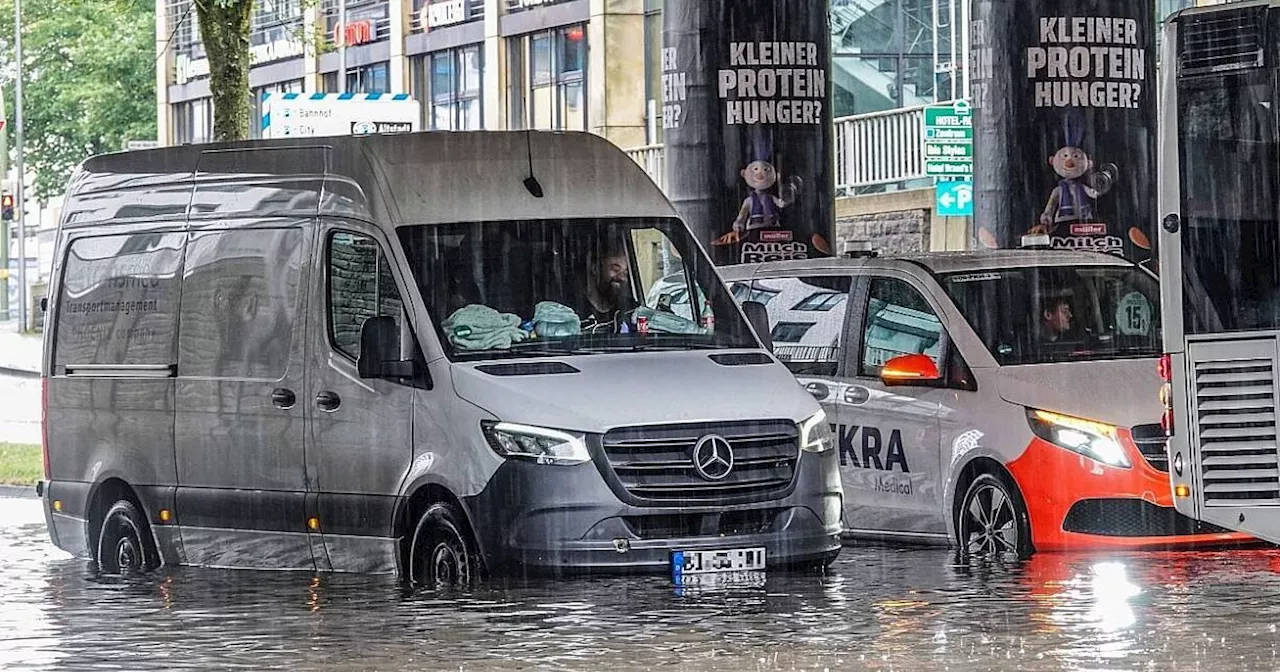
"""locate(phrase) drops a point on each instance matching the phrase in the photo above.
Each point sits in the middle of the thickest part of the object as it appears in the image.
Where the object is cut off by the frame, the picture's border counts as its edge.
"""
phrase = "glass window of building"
(896, 53)
(373, 78)
(548, 79)
(448, 84)
(193, 121)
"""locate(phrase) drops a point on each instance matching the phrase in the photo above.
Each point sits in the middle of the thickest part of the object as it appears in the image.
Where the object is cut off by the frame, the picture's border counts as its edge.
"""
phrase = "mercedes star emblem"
(713, 457)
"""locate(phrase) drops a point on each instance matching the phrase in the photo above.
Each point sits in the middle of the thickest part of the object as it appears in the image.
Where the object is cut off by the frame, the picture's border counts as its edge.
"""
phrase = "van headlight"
(815, 434)
(1094, 440)
(536, 444)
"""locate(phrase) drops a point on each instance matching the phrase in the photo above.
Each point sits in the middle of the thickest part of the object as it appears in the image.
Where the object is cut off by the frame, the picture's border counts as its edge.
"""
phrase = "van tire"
(992, 522)
(124, 542)
(442, 554)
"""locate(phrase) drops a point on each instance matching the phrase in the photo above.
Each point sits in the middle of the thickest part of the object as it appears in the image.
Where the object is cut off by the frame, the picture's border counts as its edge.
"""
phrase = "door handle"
(283, 398)
(328, 401)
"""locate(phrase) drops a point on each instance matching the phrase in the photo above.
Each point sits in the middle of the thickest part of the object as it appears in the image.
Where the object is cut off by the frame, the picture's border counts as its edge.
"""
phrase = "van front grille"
(1151, 442)
(654, 465)
(1222, 42)
(1236, 430)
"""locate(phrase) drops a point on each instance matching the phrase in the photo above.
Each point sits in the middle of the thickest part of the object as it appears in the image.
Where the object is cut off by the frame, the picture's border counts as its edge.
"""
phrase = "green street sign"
(948, 140)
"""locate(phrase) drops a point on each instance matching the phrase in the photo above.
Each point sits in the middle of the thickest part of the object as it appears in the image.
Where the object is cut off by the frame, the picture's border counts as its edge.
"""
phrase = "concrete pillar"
(747, 118)
(496, 115)
(164, 60)
(615, 71)
(1064, 99)
(312, 82)
(398, 69)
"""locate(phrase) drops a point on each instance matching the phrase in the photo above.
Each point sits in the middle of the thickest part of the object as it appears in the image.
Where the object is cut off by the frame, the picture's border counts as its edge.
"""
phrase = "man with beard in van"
(606, 292)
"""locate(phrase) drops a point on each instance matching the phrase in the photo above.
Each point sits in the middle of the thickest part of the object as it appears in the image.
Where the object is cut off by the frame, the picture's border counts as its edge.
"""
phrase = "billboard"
(294, 115)
(748, 127)
(1064, 100)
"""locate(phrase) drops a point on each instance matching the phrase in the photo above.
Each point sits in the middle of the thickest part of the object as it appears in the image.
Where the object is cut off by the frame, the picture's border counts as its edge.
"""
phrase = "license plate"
(692, 563)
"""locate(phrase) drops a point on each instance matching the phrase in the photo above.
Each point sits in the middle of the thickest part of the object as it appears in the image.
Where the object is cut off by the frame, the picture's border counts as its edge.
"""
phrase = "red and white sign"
(1088, 229)
(353, 33)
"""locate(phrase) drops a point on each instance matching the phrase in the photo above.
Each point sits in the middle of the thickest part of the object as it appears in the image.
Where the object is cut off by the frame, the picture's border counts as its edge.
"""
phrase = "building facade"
(471, 64)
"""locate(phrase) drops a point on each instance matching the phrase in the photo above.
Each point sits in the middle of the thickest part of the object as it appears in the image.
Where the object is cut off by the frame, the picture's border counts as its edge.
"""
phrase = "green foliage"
(90, 81)
(20, 464)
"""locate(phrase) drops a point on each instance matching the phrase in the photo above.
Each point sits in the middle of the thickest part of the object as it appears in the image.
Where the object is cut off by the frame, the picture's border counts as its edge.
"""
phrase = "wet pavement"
(19, 409)
(879, 608)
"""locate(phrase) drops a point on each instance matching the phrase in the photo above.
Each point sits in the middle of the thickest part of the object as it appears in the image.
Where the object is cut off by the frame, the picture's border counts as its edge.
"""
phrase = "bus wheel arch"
(431, 511)
(987, 472)
(115, 501)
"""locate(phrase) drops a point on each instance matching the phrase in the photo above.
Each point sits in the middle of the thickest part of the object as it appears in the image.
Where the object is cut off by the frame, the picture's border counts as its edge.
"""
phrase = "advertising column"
(747, 125)
(1065, 123)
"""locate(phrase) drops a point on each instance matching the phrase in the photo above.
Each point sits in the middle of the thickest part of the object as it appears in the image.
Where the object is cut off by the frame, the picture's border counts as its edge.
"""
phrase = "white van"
(427, 353)
(1005, 401)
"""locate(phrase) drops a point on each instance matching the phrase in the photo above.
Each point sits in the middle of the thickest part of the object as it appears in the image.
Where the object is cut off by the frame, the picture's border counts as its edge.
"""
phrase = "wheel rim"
(445, 564)
(128, 559)
(121, 550)
(991, 526)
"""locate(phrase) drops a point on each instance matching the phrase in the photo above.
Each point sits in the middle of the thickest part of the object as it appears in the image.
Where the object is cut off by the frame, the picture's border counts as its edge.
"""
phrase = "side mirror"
(909, 369)
(380, 350)
(758, 316)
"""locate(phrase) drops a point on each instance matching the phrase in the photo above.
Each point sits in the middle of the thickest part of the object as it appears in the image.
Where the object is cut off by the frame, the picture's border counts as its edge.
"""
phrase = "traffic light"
(6, 206)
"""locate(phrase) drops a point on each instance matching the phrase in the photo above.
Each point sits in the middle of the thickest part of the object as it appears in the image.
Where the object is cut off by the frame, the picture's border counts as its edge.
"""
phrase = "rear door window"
(119, 301)
(806, 319)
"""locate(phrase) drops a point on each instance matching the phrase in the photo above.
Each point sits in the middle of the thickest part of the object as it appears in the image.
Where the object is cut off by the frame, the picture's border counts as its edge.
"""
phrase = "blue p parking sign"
(954, 198)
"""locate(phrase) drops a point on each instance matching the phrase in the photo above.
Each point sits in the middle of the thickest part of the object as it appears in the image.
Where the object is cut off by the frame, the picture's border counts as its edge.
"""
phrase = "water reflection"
(881, 608)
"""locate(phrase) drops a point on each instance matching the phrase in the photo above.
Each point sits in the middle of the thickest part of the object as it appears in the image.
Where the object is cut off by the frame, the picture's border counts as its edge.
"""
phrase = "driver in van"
(607, 291)
(1056, 319)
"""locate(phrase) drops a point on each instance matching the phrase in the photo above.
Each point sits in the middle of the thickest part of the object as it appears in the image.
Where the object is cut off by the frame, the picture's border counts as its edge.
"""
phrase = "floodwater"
(879, 608)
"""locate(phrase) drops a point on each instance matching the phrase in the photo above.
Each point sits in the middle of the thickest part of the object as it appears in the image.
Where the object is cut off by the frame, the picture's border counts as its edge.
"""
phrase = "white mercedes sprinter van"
(427, 354)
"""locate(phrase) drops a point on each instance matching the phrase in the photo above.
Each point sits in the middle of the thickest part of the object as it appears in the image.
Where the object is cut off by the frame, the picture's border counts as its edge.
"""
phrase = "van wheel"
(992, 522)
(442, 555)
(124, 543)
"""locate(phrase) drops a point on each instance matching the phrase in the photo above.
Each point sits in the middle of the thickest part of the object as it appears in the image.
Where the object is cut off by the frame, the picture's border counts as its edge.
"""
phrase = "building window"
(548, 79)
(372, 78)
(449, 85)
(192, 121)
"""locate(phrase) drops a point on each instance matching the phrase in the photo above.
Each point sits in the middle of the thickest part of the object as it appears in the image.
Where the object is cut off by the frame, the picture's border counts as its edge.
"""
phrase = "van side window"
(119, 301)
(806, 319)
(899, 322)
(361, 286)
(240, 303)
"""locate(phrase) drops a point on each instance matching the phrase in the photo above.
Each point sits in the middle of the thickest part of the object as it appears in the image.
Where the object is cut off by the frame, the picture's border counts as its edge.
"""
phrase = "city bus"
(1219, 197)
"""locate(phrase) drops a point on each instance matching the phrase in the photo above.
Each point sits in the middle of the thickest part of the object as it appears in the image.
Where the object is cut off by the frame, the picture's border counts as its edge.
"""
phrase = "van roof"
(936, 262)
(400, 179)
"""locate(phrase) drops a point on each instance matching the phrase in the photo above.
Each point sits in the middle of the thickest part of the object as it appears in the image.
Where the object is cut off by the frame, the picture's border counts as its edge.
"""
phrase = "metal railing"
(870, 149)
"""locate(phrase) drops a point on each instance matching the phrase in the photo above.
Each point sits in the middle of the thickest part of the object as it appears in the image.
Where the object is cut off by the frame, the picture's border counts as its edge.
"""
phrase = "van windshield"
(1060, 313)
(582, 286)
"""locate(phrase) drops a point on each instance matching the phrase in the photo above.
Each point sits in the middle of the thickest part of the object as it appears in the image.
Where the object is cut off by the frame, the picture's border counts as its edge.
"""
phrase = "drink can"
(642, 324)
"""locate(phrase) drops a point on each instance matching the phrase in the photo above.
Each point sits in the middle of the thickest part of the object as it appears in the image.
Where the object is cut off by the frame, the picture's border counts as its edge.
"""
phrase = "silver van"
(431, 354)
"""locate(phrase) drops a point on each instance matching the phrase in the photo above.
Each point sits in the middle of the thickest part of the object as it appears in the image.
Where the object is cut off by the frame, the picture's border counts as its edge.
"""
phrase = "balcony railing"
(871, 149)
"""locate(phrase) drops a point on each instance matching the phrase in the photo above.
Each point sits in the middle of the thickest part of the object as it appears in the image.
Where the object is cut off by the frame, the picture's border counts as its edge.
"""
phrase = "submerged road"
(879, 608)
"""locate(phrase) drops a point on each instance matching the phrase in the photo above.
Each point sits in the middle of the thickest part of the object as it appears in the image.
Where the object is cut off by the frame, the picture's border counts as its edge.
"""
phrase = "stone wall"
(887, 232)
